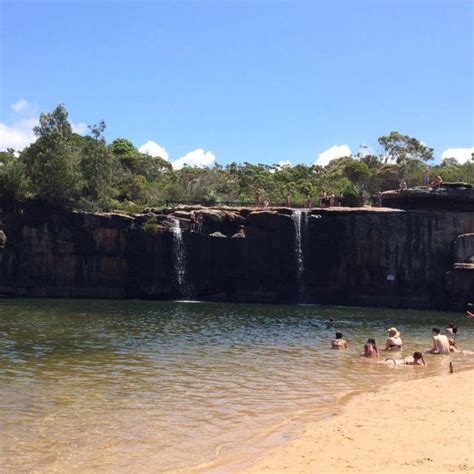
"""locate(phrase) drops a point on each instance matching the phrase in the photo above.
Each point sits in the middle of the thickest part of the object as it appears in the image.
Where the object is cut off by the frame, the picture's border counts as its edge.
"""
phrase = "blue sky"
(258, 81)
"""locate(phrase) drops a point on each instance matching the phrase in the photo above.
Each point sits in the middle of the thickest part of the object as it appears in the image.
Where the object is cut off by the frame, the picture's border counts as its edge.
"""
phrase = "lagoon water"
(144, 386)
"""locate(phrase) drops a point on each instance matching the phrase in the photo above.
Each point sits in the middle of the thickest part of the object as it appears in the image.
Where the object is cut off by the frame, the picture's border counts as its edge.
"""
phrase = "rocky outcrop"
(386, 257)
(460, 280)
(395, 259)
(451, 196)
(464, 249)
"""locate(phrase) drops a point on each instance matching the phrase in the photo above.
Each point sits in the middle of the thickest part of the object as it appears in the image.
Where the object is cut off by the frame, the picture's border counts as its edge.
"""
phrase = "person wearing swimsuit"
(339, 342)
(393, 342)
(416, 359)
(370, 348)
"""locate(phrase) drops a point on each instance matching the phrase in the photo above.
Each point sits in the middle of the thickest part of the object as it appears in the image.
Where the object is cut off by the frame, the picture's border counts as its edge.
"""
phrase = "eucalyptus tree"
(53, 160)
(400, 148)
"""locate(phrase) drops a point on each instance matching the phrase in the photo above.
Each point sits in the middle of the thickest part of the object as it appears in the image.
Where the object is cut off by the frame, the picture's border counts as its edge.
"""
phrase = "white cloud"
(21, 105)
(196, 157)
(80, 128)
(153, 149)
(336, 151)
(284, 164)
(463, 155)
(18, 135)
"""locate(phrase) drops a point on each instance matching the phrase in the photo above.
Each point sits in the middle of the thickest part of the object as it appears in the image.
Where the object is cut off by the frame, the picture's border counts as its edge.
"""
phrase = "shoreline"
(393, 429)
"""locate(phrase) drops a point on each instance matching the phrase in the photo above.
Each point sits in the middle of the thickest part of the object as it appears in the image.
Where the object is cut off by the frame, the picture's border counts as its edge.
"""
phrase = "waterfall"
(179, 258)
(299, 219)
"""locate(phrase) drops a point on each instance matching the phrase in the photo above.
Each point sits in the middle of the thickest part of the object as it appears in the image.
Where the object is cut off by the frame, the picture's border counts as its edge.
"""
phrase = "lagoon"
(132, 385)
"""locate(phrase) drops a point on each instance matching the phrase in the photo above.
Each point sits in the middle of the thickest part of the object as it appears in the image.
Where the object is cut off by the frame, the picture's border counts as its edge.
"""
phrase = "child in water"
(416, 359)
(454, 348)
(339, 342)
(451, 330)
(370, 348)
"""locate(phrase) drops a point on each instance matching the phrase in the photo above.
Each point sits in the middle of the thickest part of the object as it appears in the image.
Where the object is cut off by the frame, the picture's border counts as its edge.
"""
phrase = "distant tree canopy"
(85, 172)
(402, 148)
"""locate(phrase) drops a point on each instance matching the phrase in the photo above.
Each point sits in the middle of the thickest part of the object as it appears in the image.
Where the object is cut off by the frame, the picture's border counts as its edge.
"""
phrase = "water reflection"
(136, 385)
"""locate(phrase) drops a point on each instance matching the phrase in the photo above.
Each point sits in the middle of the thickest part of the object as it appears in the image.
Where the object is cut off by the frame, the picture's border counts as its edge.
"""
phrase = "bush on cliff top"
(64, 168)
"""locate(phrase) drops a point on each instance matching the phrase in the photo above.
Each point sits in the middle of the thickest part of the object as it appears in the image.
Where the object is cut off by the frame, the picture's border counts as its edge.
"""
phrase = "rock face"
(451, 196)
(386, 257)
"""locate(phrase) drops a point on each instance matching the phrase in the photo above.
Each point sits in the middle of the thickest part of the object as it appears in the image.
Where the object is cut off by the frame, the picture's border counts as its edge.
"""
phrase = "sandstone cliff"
(387, 257)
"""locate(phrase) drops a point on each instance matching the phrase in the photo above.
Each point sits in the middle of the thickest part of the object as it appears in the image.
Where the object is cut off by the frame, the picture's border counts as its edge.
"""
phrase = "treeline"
(85, 172)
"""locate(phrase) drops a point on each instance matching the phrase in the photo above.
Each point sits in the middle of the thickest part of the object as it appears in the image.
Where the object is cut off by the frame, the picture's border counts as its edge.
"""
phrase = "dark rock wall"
(387, 257)
(395, 259)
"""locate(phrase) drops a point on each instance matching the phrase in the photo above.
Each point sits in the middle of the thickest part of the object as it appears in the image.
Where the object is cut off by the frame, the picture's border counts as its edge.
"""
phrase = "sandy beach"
(425, 425)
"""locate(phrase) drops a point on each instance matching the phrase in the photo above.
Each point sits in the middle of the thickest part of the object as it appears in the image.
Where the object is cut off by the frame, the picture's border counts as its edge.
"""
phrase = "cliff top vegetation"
(84, 172)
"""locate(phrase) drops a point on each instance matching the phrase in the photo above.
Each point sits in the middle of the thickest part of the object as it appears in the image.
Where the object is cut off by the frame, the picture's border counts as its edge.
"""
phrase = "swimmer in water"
(451, 330)
(339, 342)
(416, 359)
(440, 342)
(393, 342)
(370, 348)
(453, 347)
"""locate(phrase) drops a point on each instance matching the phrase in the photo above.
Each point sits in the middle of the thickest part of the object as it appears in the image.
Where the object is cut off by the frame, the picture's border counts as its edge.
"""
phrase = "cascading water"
(179, 258)
(299, 218)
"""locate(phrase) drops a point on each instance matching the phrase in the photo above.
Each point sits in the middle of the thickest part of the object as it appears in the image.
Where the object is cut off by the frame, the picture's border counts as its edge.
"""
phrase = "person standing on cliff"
(287, 200)
(426, 177)
(309, 201)
(199, 221)
(257, 198)
(378, 199)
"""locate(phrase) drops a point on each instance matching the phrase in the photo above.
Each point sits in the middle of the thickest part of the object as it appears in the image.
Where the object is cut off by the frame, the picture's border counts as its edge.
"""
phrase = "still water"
(142, 386)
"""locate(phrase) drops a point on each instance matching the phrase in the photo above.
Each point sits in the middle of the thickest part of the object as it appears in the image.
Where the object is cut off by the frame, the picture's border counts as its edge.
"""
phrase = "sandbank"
(423, 425)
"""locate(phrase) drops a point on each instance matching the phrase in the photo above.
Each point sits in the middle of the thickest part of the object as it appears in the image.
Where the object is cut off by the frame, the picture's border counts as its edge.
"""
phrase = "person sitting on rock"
(437, 182)
(403, 185)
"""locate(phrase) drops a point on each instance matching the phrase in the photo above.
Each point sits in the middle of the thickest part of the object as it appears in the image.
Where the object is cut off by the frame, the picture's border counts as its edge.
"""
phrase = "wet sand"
(425, 425)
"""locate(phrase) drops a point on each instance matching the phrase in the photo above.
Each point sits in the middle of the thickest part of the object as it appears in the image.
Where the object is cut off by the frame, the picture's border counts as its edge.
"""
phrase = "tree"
(134, 162)
(356, 171)
(52, 162)
(402, 148)
(97, 166)
(13, 181)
